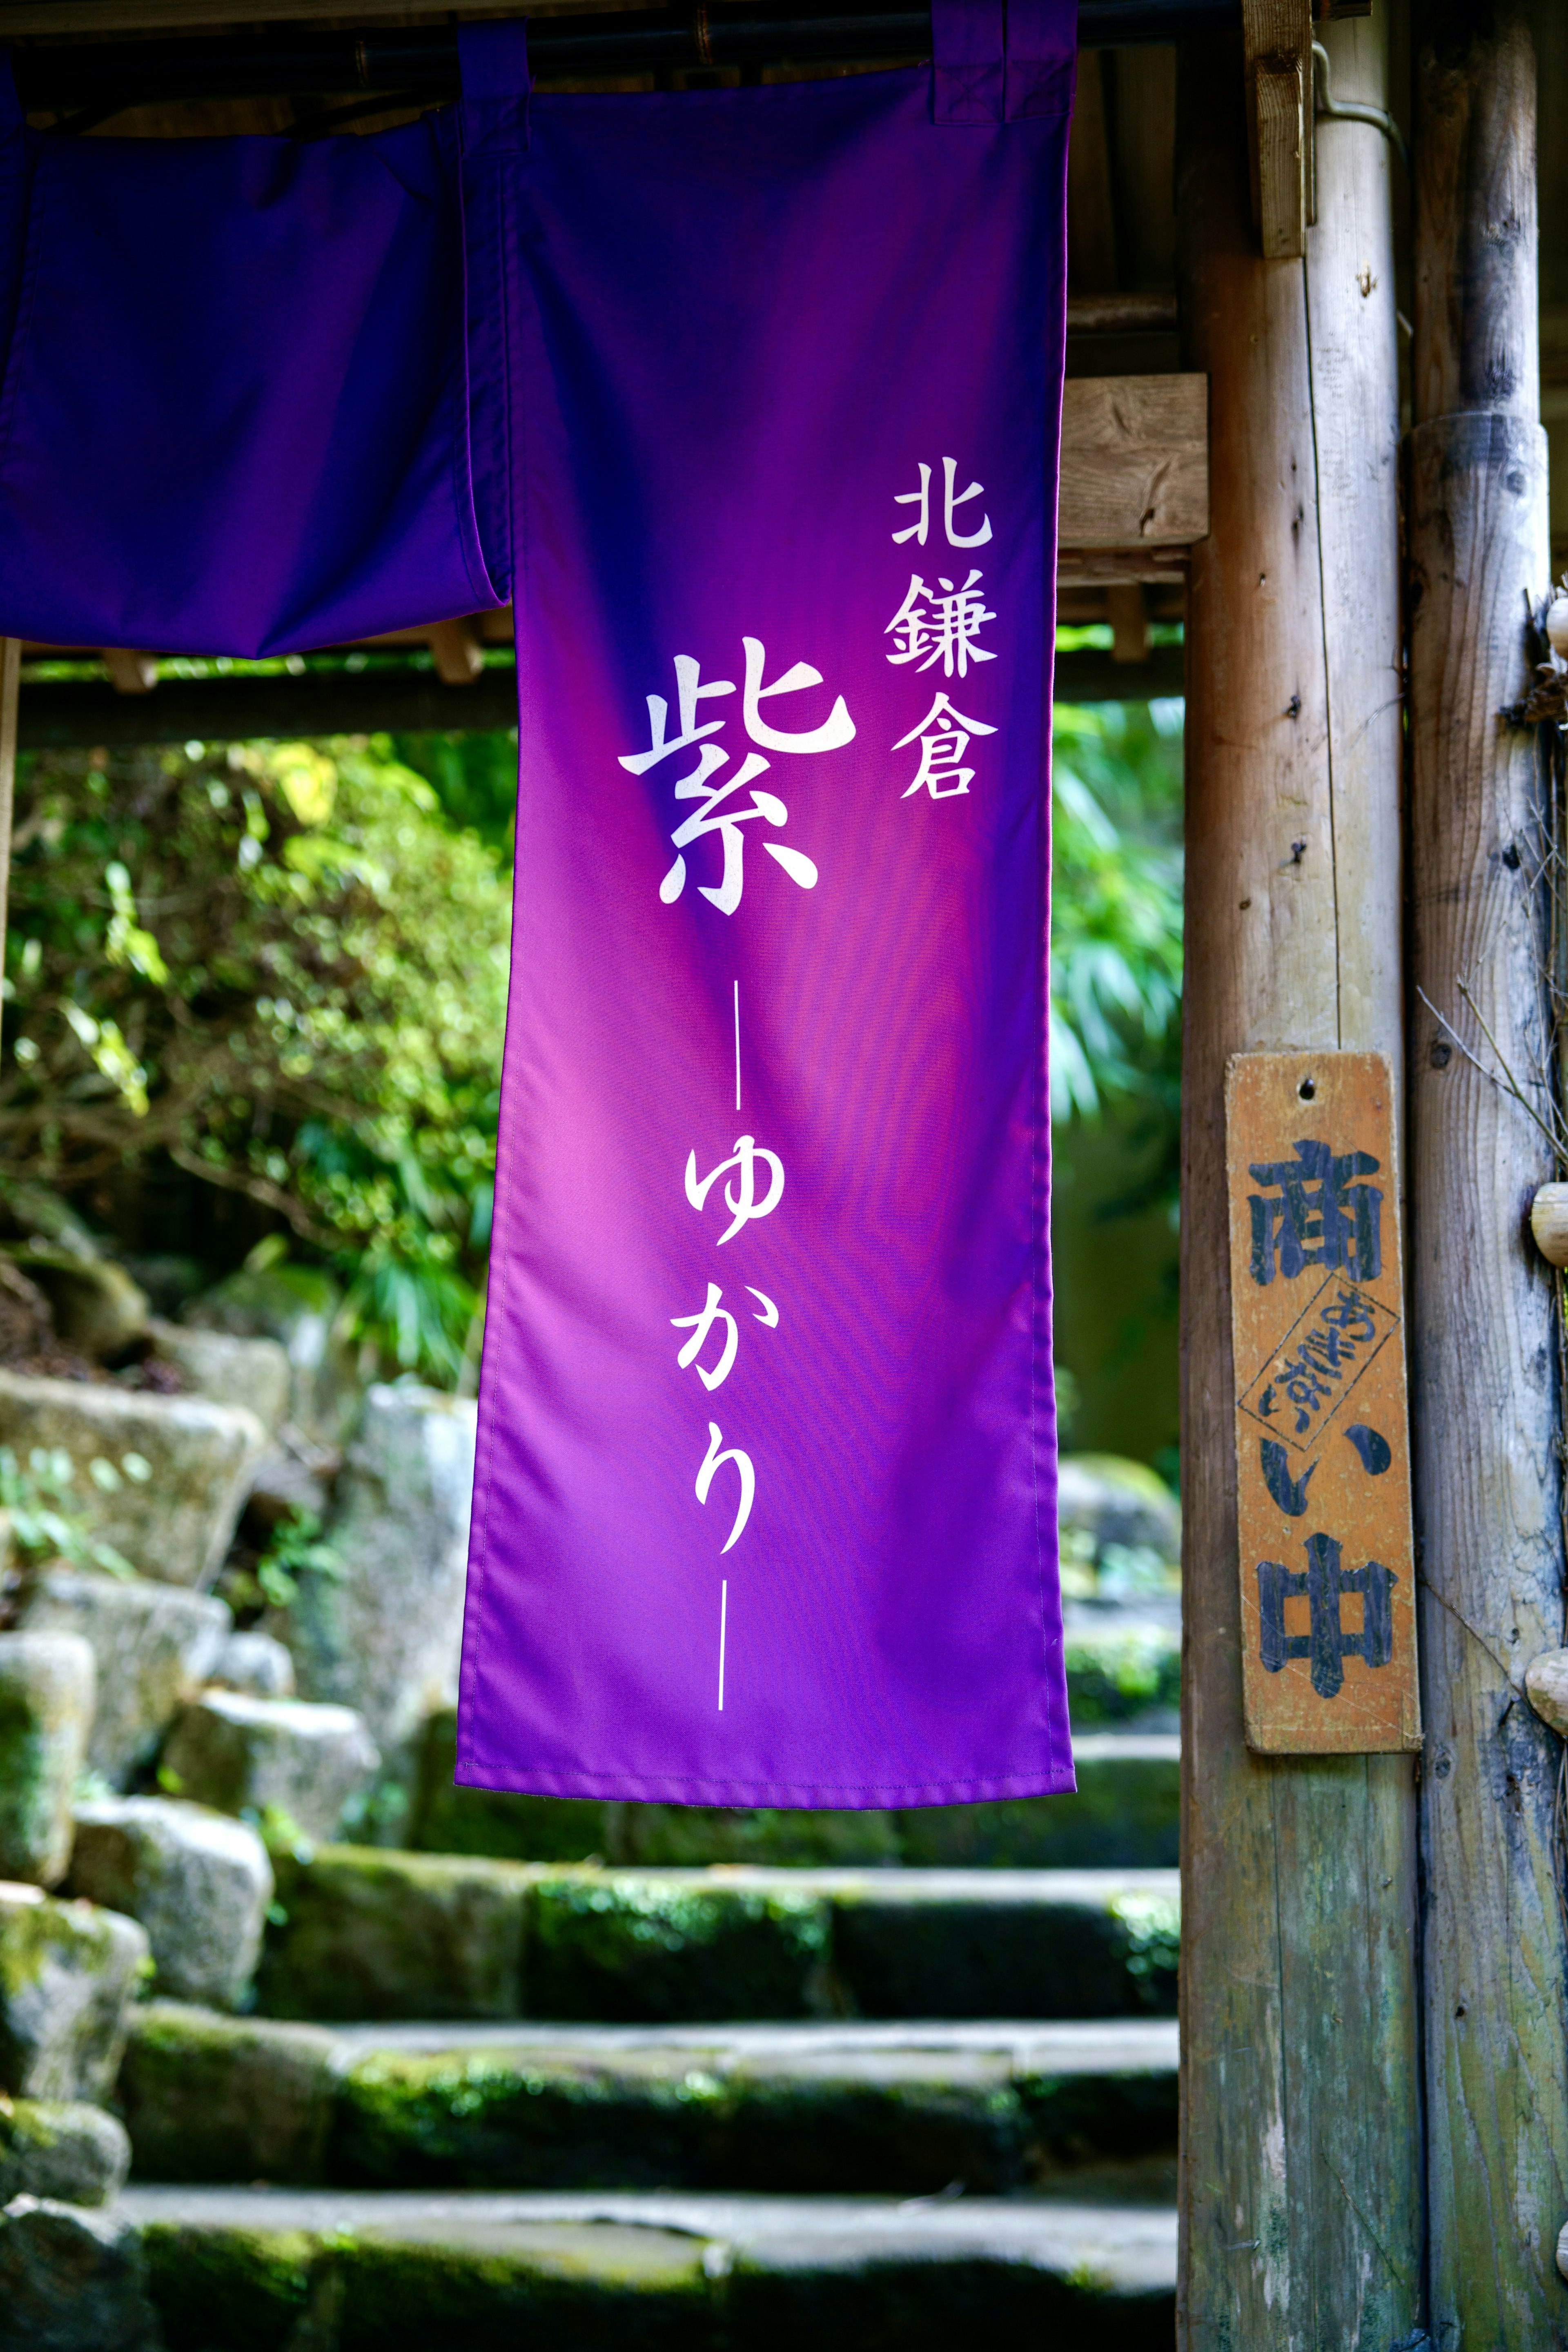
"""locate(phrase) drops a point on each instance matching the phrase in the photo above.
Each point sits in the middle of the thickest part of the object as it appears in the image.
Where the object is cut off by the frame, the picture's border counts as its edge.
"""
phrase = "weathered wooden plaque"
(1322, 1451)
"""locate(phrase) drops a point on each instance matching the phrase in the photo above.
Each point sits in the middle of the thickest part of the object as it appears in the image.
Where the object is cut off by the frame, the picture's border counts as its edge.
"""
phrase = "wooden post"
(10, 691)
(1301, 2125)
(1484, 1395)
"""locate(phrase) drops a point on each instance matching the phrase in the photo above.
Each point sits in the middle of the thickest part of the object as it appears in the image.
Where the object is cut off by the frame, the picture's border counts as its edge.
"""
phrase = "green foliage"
(1113, 1677)
(297, 1548)
(285, 966)
(1116, 922)
(1153, 1926)
(474, 777)
(48, 1520)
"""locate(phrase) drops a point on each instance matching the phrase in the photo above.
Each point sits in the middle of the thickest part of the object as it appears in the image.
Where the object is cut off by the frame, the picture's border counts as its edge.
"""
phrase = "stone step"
(1124, 1817)
(400, 2271)
(360, 1933)
(1076, 2109)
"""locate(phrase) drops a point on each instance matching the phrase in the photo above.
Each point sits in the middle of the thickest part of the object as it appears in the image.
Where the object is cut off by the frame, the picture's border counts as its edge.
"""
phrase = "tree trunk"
(1301, 2140)
(1484, 1395)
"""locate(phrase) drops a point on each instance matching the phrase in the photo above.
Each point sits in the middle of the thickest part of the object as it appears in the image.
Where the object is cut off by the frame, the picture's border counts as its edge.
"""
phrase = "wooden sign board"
(1322, 1451)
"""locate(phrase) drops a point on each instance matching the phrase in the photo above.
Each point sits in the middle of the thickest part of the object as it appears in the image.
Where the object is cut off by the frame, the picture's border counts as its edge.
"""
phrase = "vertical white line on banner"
(723, 1621)
(737, 1044)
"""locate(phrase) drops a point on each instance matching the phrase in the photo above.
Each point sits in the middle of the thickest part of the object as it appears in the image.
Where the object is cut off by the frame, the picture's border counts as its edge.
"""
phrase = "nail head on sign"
(1307, 1089)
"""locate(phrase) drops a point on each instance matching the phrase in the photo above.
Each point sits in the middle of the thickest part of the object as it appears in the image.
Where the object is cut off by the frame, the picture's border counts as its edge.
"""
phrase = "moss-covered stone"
(653, 1949)
(67, 1973)
(208, 2097)
(529, 2119)
(72, 2280)
(927, 1950)
(624, 2291)
(903, 2131)
(174, 1524)
(517, 1828)
(360, 1932)
(1125, 1816)
(449, 1820)
(213, 2099)
(226, 2288)
(382, 1633)
(62, 2148)
(911, 2304)
(283, 1756)
(199, 1882)
(297, 1305)
(683, 1835)
(364, 1933)
(227, 1370)
(347, 2272)
(680, 2118)
(151, 1645)
(229, 2289)
(1093, 2118)
(47, 1689)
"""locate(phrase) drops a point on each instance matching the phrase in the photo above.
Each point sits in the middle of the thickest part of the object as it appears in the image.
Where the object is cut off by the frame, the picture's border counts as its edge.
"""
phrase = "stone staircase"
(404, 2271)
(525, 2071)
(723, 2104)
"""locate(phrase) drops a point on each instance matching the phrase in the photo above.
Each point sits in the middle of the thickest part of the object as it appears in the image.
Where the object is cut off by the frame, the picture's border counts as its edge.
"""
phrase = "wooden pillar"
(1484, 1393)
(10, 690)
(1300, 2140)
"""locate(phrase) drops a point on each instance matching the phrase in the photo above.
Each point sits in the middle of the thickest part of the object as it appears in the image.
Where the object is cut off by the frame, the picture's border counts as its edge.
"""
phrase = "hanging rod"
(420, 65)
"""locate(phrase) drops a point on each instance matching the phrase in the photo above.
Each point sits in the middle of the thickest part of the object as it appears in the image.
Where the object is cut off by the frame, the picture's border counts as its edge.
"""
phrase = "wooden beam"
(130, 672)
(1102, 24)
(1101, 568)
(60, 715)
(61, 19)
(1484, 1392)
(1080, 603)
(10, 685)
(1092, 204)
(1122, 314)
(1143, 135)
(1277, 37)
(458, 652)
(57, 714)
(1129, 618)
(1134, 467)
(1300, 2113)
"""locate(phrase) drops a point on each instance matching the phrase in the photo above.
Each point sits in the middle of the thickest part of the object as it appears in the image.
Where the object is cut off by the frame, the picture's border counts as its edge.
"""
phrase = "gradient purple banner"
(765, 1511)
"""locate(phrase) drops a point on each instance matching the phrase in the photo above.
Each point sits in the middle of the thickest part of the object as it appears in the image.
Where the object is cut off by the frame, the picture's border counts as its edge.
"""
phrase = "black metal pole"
(421, 64)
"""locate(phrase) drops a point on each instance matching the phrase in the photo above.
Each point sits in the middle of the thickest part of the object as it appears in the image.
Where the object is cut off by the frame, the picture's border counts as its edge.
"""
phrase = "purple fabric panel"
(16, 172)
(493, 128)
(493, 61)
(746, 322)
(1042, 57)
(234, 413)
(967, 42)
